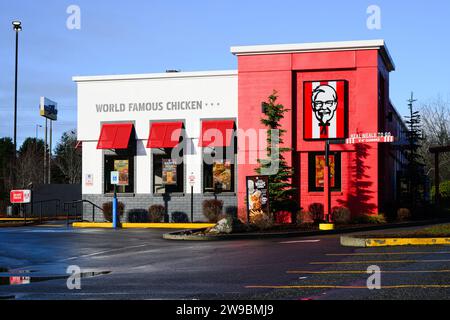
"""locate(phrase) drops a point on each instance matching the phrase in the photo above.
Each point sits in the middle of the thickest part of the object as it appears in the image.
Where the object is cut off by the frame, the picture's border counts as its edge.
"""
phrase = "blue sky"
(142, 36)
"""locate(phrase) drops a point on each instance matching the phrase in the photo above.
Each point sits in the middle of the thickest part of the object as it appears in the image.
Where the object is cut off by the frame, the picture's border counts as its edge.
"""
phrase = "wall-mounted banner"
(48, 109)
(324, 110)
(169, 172)
(257, 196)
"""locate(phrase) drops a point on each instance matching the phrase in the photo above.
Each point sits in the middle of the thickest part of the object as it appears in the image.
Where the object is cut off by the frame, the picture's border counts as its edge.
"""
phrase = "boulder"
(224, 226)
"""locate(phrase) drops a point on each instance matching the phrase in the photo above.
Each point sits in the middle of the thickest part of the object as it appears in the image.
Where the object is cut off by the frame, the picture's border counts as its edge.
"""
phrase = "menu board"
(320, 171)
(222, 174)
(258, 195)
(122, 166)
(169, 172)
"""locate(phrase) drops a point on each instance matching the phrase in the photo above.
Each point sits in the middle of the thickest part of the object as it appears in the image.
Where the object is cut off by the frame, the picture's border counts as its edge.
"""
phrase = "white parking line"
(103, 252)
(300, 241)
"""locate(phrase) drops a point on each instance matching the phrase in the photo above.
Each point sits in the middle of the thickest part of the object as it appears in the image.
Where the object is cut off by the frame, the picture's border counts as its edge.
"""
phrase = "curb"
(349, 241)
(126, 225)
(181, 235)
(18, 223)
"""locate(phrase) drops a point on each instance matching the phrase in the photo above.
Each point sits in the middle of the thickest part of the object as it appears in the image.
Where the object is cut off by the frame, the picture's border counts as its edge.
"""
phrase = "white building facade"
(124, 123)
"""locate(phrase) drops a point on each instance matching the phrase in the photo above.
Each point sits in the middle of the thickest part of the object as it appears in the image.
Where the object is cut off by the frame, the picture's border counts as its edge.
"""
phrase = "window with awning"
(219, 155)
(115, 136)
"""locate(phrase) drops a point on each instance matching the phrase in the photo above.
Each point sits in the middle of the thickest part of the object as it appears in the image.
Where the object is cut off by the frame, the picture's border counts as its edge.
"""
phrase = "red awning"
(115, 136)
(216, 133)
(165, 134)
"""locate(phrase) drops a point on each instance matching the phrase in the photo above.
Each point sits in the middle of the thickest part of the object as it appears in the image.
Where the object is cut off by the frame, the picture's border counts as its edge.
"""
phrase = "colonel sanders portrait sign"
(324, 104)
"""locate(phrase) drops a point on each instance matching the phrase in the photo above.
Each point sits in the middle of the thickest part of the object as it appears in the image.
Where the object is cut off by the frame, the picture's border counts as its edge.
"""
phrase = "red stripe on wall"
(307, 110)
(340, 123)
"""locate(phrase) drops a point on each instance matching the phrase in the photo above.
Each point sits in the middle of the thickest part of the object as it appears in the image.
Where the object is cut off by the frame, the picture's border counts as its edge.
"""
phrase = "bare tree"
(29, 163)
(436, 130)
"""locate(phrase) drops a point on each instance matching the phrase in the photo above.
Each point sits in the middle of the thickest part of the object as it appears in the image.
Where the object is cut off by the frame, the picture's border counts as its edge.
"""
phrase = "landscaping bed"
(437, 231)
(10, 224)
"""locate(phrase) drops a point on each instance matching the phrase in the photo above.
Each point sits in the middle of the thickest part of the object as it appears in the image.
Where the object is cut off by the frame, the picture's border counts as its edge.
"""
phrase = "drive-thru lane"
(144, 266)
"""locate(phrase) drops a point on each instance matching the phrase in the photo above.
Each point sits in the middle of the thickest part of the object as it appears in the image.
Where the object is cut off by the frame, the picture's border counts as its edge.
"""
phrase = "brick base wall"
(176, 203)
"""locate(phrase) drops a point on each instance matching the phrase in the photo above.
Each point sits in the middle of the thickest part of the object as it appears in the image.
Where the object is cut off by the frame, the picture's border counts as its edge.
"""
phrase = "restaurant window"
(168, 173)
(316, 170)
(218, 172)
(118, 142)
(218, 140)
(124, 165)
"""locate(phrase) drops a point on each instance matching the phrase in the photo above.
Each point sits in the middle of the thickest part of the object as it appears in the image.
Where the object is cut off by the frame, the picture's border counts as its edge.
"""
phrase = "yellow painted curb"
(386, 242)
(92, 225)
(127, 225)
(326, 226)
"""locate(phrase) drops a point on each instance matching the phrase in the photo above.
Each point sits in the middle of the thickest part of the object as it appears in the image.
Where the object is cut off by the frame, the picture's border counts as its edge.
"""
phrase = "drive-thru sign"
(20, 196)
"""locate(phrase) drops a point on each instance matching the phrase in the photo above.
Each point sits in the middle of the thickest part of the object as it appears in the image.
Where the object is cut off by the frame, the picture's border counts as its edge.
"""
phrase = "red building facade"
(364, 175)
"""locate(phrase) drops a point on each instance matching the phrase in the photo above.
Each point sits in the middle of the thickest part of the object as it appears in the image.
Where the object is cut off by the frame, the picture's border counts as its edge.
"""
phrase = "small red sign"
(20, 196)
(370, 138)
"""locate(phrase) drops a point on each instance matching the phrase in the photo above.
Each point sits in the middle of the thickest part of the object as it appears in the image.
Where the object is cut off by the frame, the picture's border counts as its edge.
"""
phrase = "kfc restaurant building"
(165, 133)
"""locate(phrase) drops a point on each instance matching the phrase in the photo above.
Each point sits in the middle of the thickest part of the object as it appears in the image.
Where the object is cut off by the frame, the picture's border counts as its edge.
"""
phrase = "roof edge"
(166, 75)
(317, 47)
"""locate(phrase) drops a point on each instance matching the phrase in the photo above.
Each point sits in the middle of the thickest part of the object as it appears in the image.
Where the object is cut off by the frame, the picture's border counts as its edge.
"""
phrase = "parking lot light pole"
(17, 26)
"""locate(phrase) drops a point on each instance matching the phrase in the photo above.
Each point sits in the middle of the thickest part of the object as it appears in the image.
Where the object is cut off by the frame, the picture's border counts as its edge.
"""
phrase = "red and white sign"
(370, 138)
(324, 104)
(192, 179)
(20, 196)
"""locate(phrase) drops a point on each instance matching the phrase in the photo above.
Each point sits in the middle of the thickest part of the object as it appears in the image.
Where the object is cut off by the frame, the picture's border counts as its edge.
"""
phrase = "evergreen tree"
(280, 187)
(67, 159)
(412, 150)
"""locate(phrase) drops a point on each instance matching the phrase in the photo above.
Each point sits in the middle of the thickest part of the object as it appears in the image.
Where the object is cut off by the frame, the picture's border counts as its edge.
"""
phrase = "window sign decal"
(169, 172)
(222, 174)
(122, 167)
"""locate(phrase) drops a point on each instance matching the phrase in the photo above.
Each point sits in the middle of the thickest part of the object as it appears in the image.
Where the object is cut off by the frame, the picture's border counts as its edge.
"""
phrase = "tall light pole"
(37, 126)
(17, 26)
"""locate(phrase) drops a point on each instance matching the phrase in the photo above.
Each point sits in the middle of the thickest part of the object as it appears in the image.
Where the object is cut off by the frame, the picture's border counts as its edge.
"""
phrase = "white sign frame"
(115, 178)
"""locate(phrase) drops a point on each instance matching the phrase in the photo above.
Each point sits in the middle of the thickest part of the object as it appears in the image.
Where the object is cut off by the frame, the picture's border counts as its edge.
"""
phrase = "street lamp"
(17, 26)
(37, 126)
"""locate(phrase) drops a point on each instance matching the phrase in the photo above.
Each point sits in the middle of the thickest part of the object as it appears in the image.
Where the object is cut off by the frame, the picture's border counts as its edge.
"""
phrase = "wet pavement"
(139, 264)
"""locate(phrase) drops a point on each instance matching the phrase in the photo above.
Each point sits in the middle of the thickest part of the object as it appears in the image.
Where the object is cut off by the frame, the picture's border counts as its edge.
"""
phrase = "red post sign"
(20, 196)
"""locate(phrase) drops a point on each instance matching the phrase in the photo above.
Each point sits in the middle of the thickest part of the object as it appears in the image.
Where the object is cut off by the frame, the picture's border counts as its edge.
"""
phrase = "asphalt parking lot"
(139, 264)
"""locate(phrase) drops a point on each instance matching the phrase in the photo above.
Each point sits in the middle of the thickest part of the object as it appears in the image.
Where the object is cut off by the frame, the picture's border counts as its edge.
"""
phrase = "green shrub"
(261, 220)
(138, 216)
(212, 209)
(156, 213)
(369, 219)
(341, 215)
(403, 214)
(180, 217)
(317, 210)
(107, 210)
(305, 217)
(444, 190)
